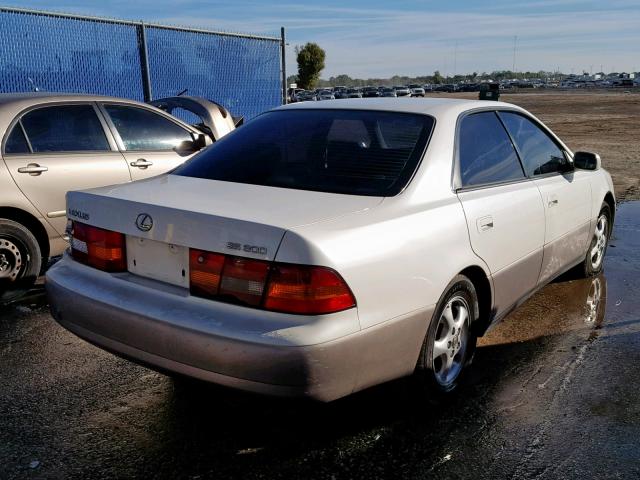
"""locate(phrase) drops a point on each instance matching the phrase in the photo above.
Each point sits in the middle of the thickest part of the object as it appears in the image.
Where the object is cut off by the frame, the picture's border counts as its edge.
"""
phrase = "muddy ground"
(607, 123)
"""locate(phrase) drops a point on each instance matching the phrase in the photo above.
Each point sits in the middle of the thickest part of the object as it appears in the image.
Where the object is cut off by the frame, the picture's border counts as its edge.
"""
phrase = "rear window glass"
(339, 151)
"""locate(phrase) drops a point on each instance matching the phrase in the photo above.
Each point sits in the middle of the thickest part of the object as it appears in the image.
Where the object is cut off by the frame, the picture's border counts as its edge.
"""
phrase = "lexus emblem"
(144, 222)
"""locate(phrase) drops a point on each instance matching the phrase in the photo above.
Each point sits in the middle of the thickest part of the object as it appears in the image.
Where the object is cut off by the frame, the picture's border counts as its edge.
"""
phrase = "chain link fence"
(45, 51)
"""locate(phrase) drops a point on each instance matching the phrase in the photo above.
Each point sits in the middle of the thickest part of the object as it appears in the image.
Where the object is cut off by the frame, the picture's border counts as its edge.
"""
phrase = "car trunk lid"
(225, 217)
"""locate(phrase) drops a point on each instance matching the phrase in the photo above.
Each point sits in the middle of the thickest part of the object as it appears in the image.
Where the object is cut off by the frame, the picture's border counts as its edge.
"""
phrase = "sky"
(377, 38)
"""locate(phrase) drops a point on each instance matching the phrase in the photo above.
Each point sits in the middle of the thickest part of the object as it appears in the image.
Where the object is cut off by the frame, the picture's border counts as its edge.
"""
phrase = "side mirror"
(198, 143)
(587, 160)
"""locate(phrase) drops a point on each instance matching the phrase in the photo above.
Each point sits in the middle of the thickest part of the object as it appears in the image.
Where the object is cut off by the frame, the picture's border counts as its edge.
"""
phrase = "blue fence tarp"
(57, 53)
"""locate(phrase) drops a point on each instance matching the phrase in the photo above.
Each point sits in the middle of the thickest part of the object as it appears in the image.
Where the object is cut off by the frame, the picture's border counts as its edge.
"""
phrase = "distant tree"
(437, 78)
(310, 63)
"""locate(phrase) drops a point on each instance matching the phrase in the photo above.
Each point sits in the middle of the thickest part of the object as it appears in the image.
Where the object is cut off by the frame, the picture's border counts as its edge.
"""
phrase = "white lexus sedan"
(323, 248)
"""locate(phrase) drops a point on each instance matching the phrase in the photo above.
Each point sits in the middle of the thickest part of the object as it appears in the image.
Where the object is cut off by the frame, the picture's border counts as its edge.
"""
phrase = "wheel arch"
(33, 224)
(482, 284)
(609, 200)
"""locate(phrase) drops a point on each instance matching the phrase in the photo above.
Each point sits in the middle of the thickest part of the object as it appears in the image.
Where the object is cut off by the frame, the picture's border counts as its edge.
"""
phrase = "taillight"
(205, 271)
(307, 289)
(98, 248)
(244, 279)
(279, 287)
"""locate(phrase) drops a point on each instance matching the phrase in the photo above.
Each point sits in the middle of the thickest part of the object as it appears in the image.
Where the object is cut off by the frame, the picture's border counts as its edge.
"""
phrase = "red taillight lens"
(279, 287)
(205, 271)
(225, 277)
(307, 289)
(99, 248)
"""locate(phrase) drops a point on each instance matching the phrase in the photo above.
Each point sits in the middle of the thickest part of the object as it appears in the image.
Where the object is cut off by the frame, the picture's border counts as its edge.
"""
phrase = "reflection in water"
(558, 308)
(593, 301)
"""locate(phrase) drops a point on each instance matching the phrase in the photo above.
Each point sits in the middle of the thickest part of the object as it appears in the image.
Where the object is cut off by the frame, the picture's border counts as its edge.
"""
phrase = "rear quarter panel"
(396, 259)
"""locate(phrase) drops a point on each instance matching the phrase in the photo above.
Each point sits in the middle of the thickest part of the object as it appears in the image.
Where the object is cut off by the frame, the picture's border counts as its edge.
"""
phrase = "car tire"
(20, 260)
(594, 257)
(450, 342)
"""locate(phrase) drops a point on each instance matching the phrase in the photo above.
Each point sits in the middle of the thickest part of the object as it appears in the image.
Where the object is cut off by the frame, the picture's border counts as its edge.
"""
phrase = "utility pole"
(515, 43)
(455, 60)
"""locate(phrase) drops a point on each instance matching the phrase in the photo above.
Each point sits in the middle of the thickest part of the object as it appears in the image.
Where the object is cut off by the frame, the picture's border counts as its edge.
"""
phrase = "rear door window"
(341, 151)
(486, 154)
(142, 129)
(540, 154)
(16, 142)
(65, 128)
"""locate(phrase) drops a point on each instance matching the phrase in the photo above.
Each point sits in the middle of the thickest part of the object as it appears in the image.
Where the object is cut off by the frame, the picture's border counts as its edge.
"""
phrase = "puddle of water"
(579, 305)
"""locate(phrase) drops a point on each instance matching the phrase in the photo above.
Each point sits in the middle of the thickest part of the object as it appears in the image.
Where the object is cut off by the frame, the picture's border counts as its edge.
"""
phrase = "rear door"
(503, 208)
(53, 149)
(148, 140)
(566, 194)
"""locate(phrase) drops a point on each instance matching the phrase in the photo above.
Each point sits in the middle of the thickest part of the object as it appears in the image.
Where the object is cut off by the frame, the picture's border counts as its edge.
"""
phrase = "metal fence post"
(144, 62)
(283, 45)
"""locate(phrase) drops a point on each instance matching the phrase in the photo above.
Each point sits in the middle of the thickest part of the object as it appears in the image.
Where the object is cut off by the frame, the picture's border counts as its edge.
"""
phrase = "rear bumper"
(319, 357)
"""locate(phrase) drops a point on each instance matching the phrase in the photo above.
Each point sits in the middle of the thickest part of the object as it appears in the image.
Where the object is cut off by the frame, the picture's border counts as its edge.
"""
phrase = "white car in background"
(324, 248)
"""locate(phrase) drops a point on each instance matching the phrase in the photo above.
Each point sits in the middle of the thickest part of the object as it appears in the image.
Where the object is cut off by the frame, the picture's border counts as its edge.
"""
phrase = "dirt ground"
(607, 123)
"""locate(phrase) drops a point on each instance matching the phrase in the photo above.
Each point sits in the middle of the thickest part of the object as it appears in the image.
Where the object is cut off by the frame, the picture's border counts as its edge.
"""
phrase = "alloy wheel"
(451, 341)
(600, 236)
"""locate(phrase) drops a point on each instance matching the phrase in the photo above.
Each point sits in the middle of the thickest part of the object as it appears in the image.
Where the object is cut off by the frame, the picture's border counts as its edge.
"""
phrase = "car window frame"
(116, 135)
(457, 185)
(556, 141)
(456, 178)
(17, 119)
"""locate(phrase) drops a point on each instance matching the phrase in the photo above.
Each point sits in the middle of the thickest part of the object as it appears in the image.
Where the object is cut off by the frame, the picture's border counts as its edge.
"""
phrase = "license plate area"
(158, 260)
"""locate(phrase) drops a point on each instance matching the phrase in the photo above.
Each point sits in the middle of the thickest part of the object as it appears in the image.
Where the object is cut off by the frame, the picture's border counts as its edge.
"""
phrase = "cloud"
(417, 37)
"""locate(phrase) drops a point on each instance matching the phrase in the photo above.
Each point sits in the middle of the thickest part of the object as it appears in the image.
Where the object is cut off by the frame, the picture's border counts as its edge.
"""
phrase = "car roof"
(46, 97)
(11, 104)
(427, 106)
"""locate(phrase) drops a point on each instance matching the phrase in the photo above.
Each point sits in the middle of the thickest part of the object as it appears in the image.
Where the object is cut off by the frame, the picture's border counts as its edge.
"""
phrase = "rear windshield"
(338, 151)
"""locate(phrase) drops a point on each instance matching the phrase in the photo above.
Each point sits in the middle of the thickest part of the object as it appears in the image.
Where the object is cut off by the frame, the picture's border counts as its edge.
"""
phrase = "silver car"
(53, 143)
(324, 248)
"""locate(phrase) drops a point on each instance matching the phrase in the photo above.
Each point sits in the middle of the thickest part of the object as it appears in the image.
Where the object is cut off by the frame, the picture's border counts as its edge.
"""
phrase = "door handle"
(485, 223)
(141, 163)
(33, 169)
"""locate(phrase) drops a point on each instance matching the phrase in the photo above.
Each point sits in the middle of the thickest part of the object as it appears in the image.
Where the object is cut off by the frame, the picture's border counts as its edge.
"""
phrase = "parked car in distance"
(354, 93)
(306, 96)
(324, 248)
(326, 95)
(53, 143)
(402, 91)
(416, 90)
(388, 92)
(340, 92)
(292, 94)
(469, 87)
(370, 92)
